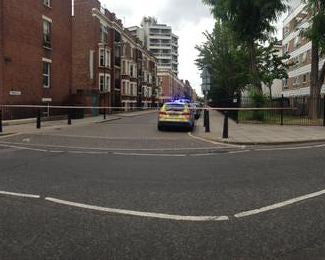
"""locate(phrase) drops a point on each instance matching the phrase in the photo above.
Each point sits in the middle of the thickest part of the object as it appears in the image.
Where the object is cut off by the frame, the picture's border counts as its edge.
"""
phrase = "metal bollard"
(1, 121)
(324, 111)
(38, 119)
(281, 113)
(69, 116)
(204, 117)
(225, 133)
(104, 113)
(207, 123)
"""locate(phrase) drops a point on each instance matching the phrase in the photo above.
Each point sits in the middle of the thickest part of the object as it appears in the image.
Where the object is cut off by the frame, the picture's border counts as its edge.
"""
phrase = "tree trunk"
(314, 82)
(253, 66)
(270, 89)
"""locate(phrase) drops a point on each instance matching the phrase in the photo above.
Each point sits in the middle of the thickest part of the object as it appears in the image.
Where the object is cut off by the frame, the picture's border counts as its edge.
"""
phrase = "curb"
(225, 141)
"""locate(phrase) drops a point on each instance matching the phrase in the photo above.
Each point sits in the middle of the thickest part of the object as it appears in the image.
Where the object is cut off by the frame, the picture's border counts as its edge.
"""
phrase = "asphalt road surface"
(123, 190)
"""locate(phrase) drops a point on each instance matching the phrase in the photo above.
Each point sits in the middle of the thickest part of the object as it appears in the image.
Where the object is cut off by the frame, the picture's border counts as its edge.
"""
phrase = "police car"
(176, 114)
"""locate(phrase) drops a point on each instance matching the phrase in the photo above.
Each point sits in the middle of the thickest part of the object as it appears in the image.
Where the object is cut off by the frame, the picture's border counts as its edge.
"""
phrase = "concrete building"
(299, 49)
(35, 53)
(160, 40)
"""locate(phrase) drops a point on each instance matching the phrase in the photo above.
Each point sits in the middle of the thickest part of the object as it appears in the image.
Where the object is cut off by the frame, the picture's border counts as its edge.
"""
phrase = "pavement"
(29, 124)
(123, 190)
(252, 134)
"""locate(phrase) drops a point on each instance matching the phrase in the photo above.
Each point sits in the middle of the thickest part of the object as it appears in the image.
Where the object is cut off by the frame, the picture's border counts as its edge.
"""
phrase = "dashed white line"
(139, 213)
(151, 154)
(23, 195)
(279, 205)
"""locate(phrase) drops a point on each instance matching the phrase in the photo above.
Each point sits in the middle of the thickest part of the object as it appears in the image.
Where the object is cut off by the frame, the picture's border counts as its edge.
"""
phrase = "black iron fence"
(282, 111)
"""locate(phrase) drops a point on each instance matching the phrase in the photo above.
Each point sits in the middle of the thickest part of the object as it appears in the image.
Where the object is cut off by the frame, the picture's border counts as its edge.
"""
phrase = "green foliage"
(228, 63)
(272, 65)
(258, 100)
(251, 22)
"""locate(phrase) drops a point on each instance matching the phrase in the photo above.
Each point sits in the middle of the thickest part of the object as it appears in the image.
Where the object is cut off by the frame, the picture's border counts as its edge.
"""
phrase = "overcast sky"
(188, 18)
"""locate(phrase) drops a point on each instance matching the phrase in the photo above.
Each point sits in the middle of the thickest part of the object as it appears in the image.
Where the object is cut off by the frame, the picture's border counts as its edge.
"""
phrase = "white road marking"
(139, 213)
(151, 154)
(24, 148)
(83, 152)
(291, 148)
(214, 142)
(116, 149)
(243, 151)
(279, 205)
(23, 195)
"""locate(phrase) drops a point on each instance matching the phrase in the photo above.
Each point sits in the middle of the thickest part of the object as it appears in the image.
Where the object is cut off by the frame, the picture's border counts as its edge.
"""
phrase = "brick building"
(107, 59)
(172, 87)
(35, 52)
(71, 54)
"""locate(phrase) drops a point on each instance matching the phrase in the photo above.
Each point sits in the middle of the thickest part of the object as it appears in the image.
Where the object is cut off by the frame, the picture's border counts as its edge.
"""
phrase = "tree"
(251, 21)
(316, 33)
(272, 65)
(228, 63)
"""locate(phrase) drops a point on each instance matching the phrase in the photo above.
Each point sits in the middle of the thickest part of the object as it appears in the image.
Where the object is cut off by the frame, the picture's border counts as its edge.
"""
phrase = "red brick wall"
(23, 51)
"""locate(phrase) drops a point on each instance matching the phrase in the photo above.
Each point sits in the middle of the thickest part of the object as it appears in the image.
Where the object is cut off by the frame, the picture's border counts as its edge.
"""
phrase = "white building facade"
(160, 41)
(299, 49)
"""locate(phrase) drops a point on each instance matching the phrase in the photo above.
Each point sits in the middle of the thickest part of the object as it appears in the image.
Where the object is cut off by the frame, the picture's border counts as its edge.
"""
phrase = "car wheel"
(160, 128)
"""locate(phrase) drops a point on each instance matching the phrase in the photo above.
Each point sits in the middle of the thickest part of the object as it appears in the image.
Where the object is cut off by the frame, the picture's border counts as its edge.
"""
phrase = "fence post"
(38, 119)
(207, 123)
(282, 106)
(225, 133)
(324, 110)
(69, 116)
(1, 121)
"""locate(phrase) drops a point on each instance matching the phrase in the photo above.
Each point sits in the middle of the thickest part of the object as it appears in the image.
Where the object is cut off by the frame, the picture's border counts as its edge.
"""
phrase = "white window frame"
(106, 54)
(107, 82)
(49, 74)
(49, 33)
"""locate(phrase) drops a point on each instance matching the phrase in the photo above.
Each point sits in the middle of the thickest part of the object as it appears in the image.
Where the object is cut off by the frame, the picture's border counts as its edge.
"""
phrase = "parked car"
(176, 114)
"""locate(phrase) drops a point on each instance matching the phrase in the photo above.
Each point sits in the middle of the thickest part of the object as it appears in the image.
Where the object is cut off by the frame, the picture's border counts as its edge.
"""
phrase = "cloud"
(179, 12)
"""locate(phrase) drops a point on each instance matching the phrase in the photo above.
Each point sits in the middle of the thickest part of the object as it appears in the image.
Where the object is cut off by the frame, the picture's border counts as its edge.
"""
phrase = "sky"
(188, 18)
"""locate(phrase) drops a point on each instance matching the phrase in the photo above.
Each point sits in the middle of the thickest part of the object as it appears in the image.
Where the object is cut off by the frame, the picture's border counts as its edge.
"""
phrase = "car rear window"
(175, 107)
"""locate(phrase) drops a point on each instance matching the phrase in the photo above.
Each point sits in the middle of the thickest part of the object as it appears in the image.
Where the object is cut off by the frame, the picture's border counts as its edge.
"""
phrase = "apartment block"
(299, 49)
(35, 52)
(161, 41)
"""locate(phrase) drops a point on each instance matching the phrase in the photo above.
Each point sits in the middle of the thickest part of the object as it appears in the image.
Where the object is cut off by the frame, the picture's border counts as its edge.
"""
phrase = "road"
(123, 190)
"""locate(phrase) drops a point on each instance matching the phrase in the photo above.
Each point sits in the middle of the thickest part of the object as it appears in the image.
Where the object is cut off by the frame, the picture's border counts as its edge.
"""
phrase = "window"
(131, 70)
(46, 73)
(47, 3)
(104, 82)
(47, 28)
(104, 57)
(103, 34)
(135, 90)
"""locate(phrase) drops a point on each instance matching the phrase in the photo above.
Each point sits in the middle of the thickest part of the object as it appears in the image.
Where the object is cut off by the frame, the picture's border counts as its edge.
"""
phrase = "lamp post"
(206, 85)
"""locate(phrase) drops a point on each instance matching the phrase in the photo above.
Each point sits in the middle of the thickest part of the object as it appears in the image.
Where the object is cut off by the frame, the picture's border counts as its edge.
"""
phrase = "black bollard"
(1, 129)
(225, 133)
(38, 119)
(207, 123)
(69, 116)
